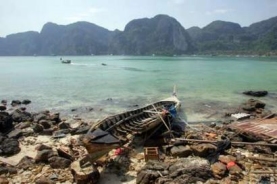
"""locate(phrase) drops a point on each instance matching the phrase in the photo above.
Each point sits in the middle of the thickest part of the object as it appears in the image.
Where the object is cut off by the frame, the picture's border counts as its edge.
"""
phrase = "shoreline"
(28, 142)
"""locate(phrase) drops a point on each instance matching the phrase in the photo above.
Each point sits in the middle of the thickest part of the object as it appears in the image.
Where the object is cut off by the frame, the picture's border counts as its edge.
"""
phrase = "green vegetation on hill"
(160, 35)
(221, 37)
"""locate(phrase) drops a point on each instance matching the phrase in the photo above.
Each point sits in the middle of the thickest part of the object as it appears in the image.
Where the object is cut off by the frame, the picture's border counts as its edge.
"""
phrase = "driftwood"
(264, 172)
(208, 141)
(262, 158)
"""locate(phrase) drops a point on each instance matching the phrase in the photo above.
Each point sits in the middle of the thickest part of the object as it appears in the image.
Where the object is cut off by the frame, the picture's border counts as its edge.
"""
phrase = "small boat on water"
(113, 131)
(66, 61)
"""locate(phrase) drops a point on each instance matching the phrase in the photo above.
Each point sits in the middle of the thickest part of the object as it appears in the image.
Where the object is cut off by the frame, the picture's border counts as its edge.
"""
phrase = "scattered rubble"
(43, 148)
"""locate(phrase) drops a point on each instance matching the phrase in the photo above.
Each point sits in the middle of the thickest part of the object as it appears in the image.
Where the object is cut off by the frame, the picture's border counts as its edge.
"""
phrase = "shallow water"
(205, 85)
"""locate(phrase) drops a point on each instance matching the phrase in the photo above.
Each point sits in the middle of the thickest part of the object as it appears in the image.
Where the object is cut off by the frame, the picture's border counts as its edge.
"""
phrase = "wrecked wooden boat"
(113, 131)
(136, 122)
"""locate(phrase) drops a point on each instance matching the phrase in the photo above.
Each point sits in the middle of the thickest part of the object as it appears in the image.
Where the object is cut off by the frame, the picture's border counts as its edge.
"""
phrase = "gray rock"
(6, 122)
(203, 150)
(15, 134)
(181, 151)
(63, 125)
(3, 108)
(18, 115)
(80, 130)
(7, 169)
(40, 116)
(55, 118)
(44, 155)
(25, 163)
(26, 102)
(45, 123)
(15, 102)
(48, 131)
(9, 147)
(59, 162)
(256, 93)
(23, 125)
(43, 180)
(43, 147)
(147, 177)
(37, 128)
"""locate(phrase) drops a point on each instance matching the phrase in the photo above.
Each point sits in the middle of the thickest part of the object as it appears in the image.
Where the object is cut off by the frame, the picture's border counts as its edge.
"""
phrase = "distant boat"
(66, 61)
(104, 64)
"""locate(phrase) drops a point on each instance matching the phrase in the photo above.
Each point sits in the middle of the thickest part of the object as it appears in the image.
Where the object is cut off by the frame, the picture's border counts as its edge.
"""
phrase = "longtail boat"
(115, 130)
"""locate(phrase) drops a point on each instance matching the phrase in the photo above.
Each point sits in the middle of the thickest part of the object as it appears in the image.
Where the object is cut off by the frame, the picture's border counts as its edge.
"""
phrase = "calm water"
(205, 85)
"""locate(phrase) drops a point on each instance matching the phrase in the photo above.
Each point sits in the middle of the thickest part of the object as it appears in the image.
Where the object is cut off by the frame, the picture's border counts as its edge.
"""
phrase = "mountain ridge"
(160, 35)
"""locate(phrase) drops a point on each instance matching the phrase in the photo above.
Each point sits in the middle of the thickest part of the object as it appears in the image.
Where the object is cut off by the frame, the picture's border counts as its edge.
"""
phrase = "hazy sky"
(24, 15)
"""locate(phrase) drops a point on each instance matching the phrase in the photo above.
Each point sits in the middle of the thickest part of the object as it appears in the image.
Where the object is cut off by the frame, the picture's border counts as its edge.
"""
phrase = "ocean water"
(207, 86)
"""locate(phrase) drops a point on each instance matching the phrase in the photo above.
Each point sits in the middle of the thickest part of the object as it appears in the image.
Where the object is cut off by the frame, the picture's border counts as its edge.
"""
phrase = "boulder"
(226, 158)
(44, 155)
(43, 147)
(45, 123)
(80, 130)
(63, 125)
(147, 177)
(18, 116)
(4, 169)
(40, 116)
(16, 133)
(4, 180)
(4, 102)
(55, 118)
(37, 128)
(219, 169)
(15, 102)
(26, 102)
(252, 105)
(190, 170)
(9, 147)
(59, 162)
(3, 107)
(181, 151)
(48, 131)
(203, 150)
(61, 133)
(6, 122)
(26, 163)
(256, 93)
(23, 125)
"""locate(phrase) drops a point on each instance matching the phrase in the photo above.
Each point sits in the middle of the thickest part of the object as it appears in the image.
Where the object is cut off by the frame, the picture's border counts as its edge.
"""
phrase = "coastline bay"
(205, 85)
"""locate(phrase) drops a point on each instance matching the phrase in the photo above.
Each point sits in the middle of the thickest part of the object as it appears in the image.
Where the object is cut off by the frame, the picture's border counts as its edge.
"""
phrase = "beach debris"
(84, 175)
(240, 116)
(257, 130)
(151, 153)
(256, 93)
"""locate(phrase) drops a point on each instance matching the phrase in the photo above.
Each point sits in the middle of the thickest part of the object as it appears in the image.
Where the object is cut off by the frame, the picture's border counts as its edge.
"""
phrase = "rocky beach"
(42, 148)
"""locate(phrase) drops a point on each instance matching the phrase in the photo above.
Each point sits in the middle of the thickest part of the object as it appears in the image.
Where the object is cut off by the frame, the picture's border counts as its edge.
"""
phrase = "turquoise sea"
(207, 86)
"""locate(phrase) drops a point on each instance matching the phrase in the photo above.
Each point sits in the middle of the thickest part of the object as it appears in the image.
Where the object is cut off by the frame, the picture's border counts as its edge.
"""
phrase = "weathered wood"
(263, 158)
(208, 141)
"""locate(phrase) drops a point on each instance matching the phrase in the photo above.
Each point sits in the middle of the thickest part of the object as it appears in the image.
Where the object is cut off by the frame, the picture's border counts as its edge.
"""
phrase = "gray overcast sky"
(25, 15)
